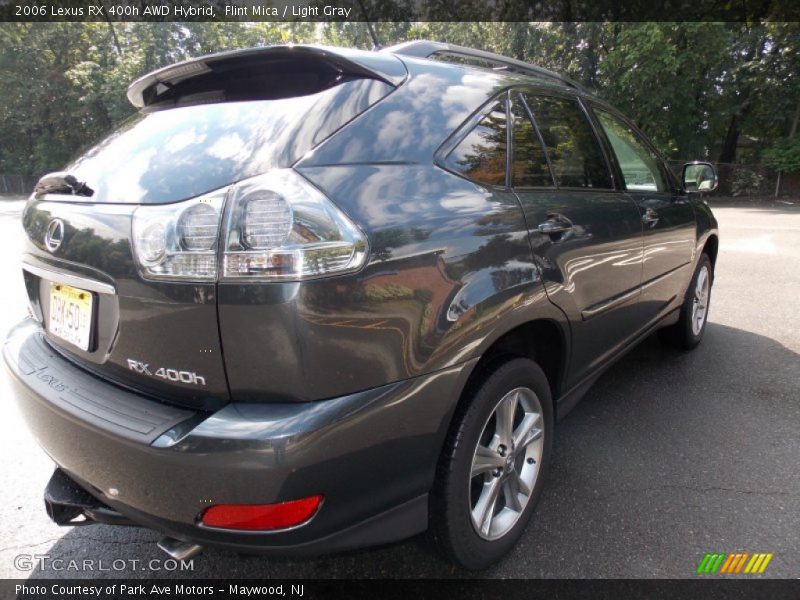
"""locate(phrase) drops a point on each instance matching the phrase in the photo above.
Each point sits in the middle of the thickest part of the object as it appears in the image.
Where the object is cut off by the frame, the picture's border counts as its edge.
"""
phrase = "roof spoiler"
(427, 48)
(354, 63)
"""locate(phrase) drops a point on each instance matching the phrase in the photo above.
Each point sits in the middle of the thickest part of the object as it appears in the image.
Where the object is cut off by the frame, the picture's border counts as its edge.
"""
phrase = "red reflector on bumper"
(261, 517)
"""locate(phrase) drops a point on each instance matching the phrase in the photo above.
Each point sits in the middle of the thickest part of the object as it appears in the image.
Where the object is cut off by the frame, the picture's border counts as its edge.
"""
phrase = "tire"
(457, 495)
(686, 334)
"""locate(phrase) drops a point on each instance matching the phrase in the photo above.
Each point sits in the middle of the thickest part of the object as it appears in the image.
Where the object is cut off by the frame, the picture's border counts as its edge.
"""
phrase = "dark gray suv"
(310, 299)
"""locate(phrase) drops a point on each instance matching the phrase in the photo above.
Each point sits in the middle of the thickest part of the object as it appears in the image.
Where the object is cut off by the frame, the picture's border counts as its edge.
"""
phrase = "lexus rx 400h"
(310, 299)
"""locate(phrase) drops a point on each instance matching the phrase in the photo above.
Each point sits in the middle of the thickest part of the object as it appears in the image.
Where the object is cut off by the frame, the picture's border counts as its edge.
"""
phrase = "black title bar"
(398, 10)
(198, 589)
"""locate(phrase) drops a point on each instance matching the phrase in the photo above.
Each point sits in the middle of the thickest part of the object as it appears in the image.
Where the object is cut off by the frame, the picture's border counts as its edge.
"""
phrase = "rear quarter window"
(481, 155)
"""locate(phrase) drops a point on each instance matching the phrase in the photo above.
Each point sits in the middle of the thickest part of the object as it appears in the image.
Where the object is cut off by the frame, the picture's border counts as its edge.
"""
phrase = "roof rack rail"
(427, 48)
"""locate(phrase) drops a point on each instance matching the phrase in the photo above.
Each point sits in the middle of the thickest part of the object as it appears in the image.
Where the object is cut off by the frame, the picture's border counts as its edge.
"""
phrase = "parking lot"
(669, 456)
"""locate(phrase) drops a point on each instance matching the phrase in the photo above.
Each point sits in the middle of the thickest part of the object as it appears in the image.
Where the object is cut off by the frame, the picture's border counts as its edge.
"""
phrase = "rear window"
(529, 166)
(179, 153)
(574, 150)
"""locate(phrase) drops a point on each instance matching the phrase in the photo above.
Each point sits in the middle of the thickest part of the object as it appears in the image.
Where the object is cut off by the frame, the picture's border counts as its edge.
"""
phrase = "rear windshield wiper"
(60, 182)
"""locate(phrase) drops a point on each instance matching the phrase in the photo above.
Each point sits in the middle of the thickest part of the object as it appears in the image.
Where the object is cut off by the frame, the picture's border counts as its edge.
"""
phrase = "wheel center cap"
(509, 464)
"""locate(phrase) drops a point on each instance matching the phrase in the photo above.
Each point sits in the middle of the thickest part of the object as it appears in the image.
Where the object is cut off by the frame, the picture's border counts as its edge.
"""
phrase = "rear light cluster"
(179, 241)
(275, 226)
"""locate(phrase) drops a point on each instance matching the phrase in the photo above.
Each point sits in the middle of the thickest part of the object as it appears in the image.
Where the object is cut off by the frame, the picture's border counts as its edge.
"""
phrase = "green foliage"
(695, 88)
(784, 155)
(393, 291)
(662, 74)
(746, 182)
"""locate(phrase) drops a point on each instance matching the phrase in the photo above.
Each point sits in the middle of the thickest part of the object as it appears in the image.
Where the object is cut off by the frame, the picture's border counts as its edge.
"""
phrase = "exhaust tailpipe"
(178, 549)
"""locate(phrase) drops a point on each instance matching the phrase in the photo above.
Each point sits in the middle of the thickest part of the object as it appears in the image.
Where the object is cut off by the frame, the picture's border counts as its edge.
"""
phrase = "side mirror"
(699, 177)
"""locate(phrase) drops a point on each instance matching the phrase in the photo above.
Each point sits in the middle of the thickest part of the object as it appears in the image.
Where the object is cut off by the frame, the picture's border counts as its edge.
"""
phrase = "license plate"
(71, 314)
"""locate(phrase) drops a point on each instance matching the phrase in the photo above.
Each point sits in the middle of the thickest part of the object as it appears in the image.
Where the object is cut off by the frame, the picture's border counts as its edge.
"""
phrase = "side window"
(481, 155)
(574, 150)
(641, 168)
(529, 166)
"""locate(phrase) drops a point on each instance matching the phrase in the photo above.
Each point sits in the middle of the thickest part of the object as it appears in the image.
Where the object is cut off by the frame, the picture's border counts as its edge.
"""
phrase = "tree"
(695, 88)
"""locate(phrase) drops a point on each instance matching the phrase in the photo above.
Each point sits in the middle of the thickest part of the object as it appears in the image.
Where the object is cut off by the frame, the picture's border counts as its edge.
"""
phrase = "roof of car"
(479, 59)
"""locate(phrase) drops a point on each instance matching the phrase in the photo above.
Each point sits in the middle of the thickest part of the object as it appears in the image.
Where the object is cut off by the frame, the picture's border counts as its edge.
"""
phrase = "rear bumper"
(372, 454)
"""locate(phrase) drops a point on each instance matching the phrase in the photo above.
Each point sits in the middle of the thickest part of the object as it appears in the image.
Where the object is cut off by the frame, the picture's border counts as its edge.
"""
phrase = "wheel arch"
(711, 247)
(541, 340)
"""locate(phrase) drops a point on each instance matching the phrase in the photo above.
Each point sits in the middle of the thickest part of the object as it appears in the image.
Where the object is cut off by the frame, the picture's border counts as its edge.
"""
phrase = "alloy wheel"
(506, 463)
(700, 300)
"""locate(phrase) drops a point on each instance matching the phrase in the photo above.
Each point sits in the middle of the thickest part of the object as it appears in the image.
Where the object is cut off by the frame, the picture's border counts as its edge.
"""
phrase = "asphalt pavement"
(669, 456)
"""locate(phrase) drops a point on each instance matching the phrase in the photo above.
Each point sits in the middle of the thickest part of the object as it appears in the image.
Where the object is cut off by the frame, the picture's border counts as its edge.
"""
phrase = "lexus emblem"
(54, 235)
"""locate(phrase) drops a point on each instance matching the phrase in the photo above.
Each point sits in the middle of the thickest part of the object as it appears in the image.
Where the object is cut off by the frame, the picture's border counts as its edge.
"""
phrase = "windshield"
(179, 153)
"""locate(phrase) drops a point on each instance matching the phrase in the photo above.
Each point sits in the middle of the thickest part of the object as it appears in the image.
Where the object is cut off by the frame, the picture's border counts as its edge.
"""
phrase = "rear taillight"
(276, 226)
(261, 517)
(179, 241)
(279, 226)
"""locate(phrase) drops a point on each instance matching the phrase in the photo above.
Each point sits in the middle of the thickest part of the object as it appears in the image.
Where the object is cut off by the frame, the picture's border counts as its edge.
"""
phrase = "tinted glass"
(640, 167)
(528, 164)
(178, 153)
(574, 150)
(481, 155)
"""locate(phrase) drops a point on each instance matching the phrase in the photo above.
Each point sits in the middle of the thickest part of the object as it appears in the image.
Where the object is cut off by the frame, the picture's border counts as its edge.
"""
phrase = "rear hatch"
(203, 125)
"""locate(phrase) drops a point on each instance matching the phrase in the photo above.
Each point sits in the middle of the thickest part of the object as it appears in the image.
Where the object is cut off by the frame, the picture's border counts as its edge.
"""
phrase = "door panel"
(592, 272)
(669, 241)
(668, 217)
(587, 237)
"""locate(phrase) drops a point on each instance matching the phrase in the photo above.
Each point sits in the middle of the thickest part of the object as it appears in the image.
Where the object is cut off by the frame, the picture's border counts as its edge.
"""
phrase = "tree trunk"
(728, 153)
(376, 44)
(792, 133)
(111, 29)
(594, 34)
(519, 38)
(114, 37)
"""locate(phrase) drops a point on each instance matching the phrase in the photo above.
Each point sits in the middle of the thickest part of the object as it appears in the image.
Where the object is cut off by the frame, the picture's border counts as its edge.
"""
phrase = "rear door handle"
(555, 224)
(650, 216)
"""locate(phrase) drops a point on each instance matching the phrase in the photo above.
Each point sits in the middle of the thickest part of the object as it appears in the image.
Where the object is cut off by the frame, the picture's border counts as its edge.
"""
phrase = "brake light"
(261, 517)
(276, 226)
(279, 226)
